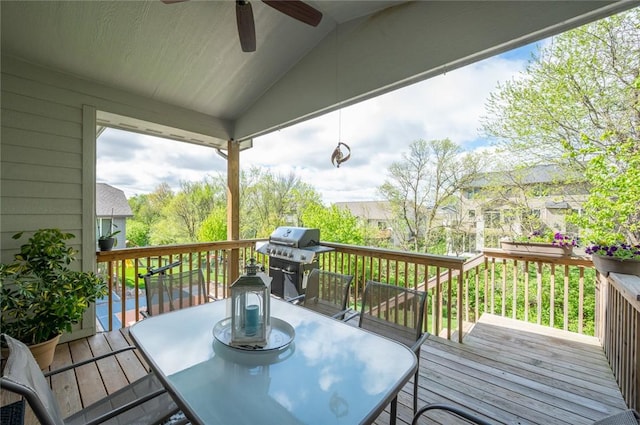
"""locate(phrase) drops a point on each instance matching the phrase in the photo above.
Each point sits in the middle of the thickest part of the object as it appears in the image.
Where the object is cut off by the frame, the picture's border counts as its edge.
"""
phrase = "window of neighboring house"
(470, 242)
(508, 216)
(382, 225)
(492, 219)
(472, 218)
(470, 193)
(491, 240)
(103, 227)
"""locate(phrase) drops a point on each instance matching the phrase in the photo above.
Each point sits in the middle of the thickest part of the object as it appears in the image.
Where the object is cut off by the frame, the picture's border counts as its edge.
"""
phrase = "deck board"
(507, 372)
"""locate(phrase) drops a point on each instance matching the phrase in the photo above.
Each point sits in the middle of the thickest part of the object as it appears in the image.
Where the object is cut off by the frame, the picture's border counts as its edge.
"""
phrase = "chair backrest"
(393, 311)
(172, 291)
(327, 292)
(22, 376)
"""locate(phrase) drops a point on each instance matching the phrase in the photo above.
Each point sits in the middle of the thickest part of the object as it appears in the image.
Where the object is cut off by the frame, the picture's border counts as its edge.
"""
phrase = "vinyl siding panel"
(47, 152)
(34, 169)
(23, 188)
(48, 158)
(10, 136)
(42, 162)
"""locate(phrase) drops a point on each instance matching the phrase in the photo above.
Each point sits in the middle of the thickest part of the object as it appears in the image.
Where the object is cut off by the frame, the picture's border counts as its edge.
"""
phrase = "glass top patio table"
(331, 373)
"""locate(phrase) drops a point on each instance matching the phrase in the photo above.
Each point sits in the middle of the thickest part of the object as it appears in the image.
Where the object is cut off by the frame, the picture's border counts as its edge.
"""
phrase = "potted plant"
(40, 296)
(618, 257)
(542, 244)
(108, 241)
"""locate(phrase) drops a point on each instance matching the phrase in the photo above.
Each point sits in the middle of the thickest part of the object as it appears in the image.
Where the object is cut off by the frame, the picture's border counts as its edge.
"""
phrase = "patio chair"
(144, 401)
(626, 417)
(396, 313)
(327, 293)
(164, 290)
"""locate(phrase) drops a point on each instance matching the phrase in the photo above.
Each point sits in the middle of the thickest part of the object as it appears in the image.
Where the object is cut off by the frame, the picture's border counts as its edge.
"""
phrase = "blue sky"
(378, 131)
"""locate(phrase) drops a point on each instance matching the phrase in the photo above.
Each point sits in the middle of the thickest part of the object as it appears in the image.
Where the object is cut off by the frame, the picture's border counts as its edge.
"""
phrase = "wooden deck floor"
(506, 371)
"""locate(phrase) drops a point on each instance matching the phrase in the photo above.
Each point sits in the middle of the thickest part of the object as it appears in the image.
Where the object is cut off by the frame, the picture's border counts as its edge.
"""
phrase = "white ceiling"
(188, 54)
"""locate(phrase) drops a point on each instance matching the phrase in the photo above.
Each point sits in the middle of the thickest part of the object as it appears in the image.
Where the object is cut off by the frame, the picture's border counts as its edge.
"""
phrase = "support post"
(233, 207)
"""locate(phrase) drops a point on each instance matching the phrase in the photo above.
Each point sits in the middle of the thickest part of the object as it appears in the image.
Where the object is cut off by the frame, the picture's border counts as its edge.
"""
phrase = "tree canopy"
(426, 180)
(578, 104)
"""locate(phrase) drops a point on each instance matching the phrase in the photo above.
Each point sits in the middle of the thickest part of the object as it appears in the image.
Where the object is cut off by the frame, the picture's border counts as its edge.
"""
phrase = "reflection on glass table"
(331, 373)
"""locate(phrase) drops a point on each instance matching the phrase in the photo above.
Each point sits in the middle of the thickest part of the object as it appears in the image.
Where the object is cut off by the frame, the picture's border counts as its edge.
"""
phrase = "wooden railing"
(555, 292)
(437, 274)
(122, 267)
(564, 293)
(618, 328)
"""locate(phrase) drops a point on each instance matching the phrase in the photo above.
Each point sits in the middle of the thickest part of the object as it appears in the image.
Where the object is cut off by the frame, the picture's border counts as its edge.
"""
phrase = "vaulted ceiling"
(188, 53)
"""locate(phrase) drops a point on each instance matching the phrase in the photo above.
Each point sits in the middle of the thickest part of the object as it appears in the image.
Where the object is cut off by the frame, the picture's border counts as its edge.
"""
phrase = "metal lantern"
(250, 308)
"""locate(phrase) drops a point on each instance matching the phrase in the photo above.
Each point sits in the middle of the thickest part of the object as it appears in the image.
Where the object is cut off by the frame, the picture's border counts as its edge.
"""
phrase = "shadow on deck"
(507, 371)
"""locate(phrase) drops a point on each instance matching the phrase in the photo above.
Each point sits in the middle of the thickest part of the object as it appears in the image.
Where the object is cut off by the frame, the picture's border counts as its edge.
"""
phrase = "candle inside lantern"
(251, 320)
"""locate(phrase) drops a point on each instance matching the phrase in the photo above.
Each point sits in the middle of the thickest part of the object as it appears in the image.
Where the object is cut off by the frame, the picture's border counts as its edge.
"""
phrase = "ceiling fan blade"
(246, 26)
(297, 10)
(172, 1)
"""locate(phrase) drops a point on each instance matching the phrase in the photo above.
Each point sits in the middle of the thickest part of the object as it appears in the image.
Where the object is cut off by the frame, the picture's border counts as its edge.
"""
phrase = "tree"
(193, 204)
(148, 211)
(270, 200)
(578, 105)
(338, 225)
(424, 182)
(214, 227)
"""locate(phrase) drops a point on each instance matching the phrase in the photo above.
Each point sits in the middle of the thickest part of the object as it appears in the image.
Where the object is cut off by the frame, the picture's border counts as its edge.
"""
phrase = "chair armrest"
(351, 316)
(340, 314)
(87, 361)
(462, 413)
(296, 299)
(416, 345)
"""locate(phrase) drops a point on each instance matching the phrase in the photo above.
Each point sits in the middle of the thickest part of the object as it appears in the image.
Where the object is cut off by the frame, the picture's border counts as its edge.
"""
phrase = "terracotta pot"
(605, 265)
(43, 352)
(536, 249)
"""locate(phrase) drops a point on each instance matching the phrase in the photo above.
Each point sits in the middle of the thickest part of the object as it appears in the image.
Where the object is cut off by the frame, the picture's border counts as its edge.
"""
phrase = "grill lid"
(296, 237)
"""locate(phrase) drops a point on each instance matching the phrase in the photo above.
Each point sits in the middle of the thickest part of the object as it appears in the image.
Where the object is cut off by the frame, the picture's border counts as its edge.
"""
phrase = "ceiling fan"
(296, 9)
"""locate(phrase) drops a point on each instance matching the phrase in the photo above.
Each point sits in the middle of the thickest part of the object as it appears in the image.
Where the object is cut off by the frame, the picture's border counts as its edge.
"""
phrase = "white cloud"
(378, 131)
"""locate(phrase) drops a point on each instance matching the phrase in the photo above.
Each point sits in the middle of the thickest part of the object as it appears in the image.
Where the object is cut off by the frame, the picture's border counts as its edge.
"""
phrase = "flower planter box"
(605, 265)
(536, 249)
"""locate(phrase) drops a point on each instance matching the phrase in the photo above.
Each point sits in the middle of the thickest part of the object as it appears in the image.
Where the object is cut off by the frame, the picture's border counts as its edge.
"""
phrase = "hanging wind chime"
(338, 156)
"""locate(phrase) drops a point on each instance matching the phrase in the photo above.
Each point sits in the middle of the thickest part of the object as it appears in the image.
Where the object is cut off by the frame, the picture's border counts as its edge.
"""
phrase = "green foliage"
(338, 225)
(271, 200)
(214, 227)
(578, 105)
(137, 233)
(40, 295)
(612, 211)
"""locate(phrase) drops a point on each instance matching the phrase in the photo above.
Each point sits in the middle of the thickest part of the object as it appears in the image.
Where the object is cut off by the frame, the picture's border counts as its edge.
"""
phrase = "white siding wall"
(47, 152)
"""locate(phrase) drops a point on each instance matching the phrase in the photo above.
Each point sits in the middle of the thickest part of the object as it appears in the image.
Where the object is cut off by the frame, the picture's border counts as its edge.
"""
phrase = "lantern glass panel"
(250, 310)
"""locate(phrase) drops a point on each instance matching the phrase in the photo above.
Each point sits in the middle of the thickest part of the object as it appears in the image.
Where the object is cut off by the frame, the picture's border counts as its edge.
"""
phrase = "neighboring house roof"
(370, 210)
(538, 174)
(111, 201)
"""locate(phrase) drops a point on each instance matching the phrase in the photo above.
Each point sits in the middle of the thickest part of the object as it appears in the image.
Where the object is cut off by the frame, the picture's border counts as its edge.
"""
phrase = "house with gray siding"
(112, 211)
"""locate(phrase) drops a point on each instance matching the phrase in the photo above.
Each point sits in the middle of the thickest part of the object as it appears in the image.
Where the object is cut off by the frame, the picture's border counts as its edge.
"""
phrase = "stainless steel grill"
(292, 253)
